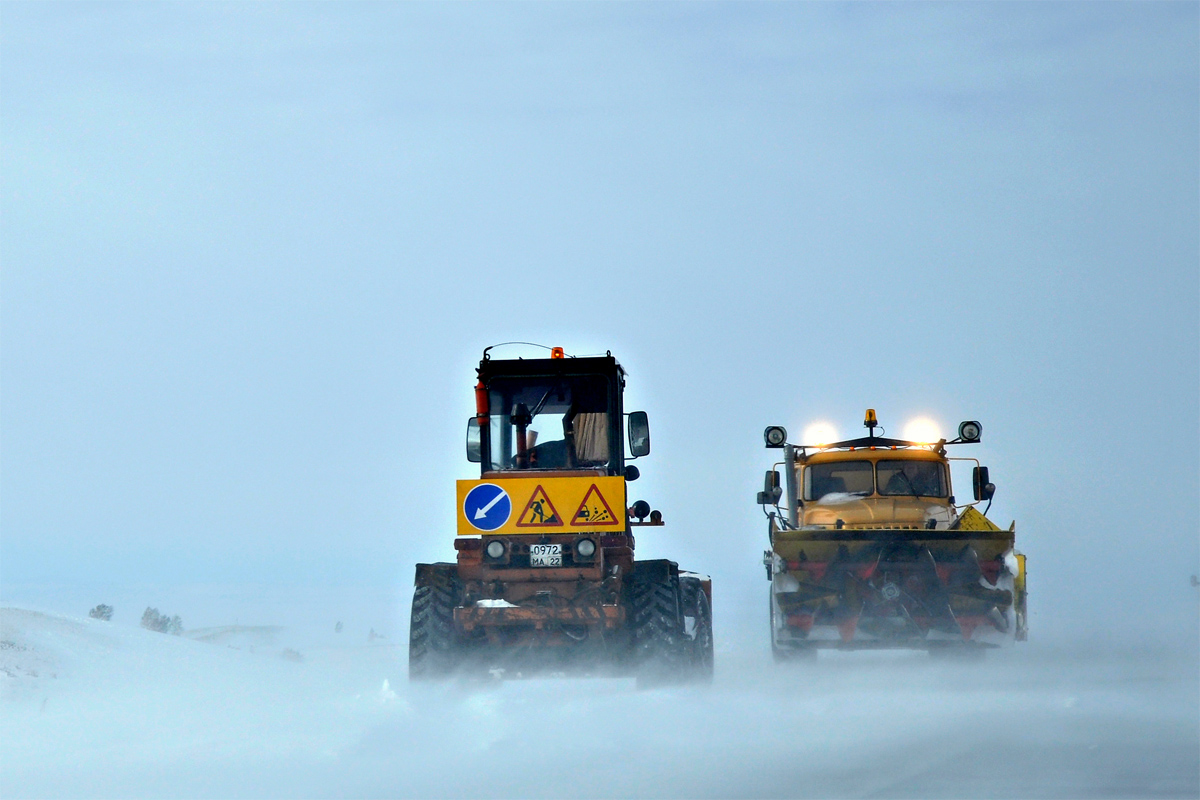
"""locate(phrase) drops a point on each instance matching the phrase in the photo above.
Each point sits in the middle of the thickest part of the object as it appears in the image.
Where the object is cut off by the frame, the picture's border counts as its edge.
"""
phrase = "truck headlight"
(495, 549)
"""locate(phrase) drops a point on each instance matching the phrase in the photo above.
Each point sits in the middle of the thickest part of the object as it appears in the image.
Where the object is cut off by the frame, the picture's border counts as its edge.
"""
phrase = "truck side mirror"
(474, 441)
(771, 492)
(639, 434)
(983, 488)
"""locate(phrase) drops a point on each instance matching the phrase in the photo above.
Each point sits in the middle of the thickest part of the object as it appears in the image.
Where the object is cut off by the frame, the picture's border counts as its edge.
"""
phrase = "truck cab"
(868, 487)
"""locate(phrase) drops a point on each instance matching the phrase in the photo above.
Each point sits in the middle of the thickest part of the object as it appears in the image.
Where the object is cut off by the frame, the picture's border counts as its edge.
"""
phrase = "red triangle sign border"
(553, 512)
(612, 517)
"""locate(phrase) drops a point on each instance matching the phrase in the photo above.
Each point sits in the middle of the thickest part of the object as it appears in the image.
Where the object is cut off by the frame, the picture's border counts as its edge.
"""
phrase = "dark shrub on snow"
(154, 621)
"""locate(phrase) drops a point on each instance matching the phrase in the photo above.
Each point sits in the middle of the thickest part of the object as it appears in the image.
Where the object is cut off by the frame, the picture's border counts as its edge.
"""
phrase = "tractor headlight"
(775, 436)
(970, 431)
(495, 549)
(585, 548)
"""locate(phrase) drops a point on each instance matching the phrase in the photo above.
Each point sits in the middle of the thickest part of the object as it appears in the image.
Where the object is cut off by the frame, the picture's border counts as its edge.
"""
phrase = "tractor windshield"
(911, 478)
(564, 422)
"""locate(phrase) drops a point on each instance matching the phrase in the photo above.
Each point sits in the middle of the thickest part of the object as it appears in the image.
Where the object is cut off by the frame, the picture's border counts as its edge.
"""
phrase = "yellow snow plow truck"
(545, 576)
(870, 550)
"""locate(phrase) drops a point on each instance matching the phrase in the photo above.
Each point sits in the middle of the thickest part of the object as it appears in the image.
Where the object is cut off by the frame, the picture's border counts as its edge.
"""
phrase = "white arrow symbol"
(481, 513)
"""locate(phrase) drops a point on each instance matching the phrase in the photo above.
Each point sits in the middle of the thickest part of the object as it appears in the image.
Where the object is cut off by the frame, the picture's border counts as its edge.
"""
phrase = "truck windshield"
(840, 477)
(911, 478)
(566, 422)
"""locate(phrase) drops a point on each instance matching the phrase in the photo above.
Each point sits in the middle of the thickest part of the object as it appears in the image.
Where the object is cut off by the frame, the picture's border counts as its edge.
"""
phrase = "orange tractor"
(546, 576)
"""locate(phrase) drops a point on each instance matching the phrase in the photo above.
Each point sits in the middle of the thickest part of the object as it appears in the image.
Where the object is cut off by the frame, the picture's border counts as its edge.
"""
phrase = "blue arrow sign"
(487, 507)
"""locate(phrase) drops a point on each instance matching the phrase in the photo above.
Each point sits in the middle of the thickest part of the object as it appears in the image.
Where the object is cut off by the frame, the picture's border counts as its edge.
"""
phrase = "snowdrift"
(91, 708)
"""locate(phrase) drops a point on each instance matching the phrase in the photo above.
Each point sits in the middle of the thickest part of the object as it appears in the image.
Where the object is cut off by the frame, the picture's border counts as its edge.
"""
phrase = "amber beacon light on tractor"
(869, 548)
(545, 575)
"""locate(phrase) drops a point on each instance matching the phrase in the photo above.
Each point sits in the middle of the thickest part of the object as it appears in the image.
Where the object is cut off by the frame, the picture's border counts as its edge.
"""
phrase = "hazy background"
(251, 255)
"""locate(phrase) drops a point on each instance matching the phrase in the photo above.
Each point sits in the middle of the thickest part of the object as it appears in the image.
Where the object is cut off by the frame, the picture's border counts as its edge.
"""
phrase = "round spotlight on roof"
(775, 436)
(970, 431)
(495, 549)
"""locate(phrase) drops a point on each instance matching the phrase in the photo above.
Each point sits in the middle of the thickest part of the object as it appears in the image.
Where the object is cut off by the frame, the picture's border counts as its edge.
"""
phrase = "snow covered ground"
(107, 709)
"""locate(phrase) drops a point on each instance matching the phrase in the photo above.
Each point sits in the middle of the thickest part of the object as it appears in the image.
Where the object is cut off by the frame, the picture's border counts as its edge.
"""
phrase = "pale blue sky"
(251, 254)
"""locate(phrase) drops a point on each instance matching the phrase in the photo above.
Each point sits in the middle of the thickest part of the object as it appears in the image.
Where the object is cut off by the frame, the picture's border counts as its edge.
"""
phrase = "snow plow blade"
(879, 588)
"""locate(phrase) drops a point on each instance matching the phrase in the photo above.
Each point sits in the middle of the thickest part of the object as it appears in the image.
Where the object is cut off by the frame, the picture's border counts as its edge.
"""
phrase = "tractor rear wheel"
(433, 646)
(657, 628)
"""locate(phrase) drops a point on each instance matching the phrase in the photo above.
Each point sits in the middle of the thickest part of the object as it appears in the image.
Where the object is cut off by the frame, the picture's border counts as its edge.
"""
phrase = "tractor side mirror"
(983, 488)
(771, 492)
(639, 434)
(474, 441)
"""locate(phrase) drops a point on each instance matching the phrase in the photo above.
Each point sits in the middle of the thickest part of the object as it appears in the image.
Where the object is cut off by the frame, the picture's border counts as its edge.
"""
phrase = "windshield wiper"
(912, 490)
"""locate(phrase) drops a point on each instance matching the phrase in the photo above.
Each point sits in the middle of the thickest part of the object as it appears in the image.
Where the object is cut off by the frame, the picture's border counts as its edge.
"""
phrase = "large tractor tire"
(434, 651)
(660, 649)
(697, 615)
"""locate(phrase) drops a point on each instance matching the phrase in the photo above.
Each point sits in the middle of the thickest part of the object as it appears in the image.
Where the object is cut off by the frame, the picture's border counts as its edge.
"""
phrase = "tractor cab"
(557, 416)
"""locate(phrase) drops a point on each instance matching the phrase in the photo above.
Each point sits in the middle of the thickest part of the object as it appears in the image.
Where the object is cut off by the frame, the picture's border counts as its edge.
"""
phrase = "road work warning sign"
(539, 512)
(541, 505)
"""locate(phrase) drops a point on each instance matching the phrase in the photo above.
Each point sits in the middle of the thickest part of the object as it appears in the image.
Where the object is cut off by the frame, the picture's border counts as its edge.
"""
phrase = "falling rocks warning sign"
(594, 510)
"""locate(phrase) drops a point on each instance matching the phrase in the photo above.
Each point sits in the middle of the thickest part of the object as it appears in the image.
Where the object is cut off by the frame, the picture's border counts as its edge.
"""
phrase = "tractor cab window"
(838, 478)
(910, 478)
(564, 421)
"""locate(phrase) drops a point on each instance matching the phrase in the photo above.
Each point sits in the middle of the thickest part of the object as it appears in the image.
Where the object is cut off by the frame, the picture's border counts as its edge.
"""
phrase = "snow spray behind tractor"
(545, 576)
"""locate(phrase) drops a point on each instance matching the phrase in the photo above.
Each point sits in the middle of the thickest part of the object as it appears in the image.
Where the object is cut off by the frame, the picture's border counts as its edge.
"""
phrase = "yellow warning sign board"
(504, 505)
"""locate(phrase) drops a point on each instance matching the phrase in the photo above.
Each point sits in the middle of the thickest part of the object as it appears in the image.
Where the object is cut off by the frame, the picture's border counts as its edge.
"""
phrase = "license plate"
(545, 555)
